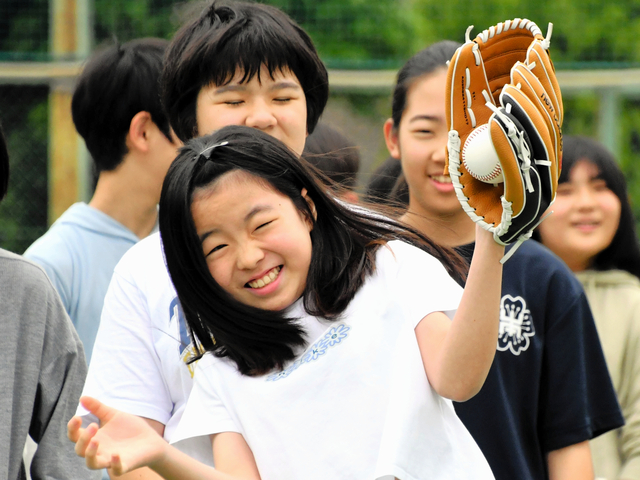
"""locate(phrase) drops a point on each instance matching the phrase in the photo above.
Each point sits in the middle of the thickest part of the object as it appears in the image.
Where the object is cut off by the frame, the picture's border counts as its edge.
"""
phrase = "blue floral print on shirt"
(333, 337)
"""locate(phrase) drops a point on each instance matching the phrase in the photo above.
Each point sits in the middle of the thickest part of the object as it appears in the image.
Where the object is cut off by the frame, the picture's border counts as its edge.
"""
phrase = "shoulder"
(19, 272)
(535, 263)
(59, 245)
(145, 258)
(399, 252)
(26, 292)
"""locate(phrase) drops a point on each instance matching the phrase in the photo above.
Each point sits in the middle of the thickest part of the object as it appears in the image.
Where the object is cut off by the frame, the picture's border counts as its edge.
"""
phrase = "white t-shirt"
(356, 404)
(138, 361)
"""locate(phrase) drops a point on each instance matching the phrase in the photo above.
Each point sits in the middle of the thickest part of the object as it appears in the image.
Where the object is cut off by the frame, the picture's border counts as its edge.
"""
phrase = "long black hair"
(344, 241)
(623, 253)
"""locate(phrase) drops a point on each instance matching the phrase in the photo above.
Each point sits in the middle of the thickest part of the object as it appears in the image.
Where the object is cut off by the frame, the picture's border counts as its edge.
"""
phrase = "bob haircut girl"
(344, 238)
(593, 231)
(623, 253)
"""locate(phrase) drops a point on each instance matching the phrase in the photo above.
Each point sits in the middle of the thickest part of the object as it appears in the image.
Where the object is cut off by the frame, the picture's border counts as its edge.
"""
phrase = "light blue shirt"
(79, 253)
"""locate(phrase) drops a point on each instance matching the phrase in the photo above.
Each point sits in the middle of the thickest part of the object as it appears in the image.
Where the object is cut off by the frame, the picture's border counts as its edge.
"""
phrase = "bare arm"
(457, 355)
(143, 473)
(571, 463)
(124, 443)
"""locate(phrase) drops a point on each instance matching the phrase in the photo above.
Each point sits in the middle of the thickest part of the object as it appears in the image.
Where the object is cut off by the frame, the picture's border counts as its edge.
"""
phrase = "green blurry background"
(350, 35)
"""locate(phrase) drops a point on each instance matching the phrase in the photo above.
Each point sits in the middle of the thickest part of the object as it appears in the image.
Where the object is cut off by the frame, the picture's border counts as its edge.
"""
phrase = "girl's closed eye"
(564, 189)
(599, 185)
(264, 224)
(215, 249)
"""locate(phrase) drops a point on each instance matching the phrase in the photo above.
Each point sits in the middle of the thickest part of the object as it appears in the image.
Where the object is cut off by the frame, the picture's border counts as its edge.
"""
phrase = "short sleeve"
(579, 402)
(205, 413)
(420, 285)
(125, 370)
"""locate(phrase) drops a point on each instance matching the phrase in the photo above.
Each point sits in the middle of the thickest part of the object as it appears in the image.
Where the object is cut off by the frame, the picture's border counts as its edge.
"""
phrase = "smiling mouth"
(265, 280)
(586, 225)
(441, 178)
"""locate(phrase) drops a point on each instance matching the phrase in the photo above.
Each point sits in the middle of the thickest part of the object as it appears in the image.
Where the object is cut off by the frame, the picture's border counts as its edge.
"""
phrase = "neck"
(450, 230)
(127, 201)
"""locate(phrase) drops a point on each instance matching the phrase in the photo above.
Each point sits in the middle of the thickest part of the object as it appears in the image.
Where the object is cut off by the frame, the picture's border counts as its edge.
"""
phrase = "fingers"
(99, 409)
(92, 457)
(116, 465)
(74, 429)
(84, 439)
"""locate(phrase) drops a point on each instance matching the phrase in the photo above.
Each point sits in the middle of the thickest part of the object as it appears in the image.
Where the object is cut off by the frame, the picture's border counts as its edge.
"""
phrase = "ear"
(312, 206)
(391, 139)
(139, 129)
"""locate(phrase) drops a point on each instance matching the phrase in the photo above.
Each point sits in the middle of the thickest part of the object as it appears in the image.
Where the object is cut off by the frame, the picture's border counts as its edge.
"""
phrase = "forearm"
(469, 345)
(139, 474)
(571, 463)
(179, 466)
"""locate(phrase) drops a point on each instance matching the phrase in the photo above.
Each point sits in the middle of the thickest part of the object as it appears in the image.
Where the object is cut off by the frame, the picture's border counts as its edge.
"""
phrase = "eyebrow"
(242, 87)
(432, 118)
(252, 213)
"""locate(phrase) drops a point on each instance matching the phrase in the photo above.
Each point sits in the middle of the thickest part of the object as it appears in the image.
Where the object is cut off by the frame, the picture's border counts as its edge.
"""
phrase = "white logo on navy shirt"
(515, 325)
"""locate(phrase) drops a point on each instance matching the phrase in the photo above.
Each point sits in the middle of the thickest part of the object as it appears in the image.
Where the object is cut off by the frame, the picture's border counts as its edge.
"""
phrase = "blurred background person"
(116, 109)
(380, 188)
(548, 391)
(592, 229)
(42, 370)
(336, 156)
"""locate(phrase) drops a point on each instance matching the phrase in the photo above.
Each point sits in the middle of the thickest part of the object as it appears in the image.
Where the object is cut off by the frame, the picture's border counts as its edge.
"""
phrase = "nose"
(586, 198)
(440, 154)
(249, 255)
(260, 115)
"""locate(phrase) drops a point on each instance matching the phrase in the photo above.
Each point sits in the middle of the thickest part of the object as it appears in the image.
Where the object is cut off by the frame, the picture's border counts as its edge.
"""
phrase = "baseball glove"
(504, 95)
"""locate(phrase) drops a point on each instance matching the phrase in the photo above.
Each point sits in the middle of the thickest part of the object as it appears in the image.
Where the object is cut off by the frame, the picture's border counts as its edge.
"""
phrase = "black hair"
(228, 38)
(424, 62)
(344, 241)
(623, 253)
(118, 82)
(4, 165)
(387, 185)
(333, 154)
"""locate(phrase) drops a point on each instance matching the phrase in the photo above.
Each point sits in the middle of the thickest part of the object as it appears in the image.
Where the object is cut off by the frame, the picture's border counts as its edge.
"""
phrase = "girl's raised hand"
(122, 443)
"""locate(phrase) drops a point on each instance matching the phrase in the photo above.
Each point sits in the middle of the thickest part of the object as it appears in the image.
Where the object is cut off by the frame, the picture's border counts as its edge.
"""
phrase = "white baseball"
(480, 158)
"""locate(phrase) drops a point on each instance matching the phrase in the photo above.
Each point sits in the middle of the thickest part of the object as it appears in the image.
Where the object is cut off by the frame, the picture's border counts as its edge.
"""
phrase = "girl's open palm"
(123, 443)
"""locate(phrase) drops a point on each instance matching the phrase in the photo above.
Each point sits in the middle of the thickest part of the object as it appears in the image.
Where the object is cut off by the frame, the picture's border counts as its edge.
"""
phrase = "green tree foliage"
(356, 33)
(365, 34)
(584, 31)
(24, 29)
(127, 19)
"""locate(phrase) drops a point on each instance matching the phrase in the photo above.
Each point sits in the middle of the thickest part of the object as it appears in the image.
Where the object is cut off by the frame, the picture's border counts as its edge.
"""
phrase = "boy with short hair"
(116, 109)
(243, 64)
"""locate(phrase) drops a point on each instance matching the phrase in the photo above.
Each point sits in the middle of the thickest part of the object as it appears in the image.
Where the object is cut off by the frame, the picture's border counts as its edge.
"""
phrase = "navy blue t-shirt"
(548, 386)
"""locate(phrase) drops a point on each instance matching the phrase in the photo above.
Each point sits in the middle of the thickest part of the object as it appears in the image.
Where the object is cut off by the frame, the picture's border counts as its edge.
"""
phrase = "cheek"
(413, 159)
(211, 119)
(611, 208)
(222, 273)
(560, 208)
(552, 229)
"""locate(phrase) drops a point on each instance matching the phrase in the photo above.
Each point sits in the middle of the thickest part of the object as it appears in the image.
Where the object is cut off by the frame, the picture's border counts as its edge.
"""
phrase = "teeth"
(441, 178)
(266, 280)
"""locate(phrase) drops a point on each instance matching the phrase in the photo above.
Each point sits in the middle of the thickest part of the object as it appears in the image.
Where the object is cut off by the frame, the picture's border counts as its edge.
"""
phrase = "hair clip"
(206, 153)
